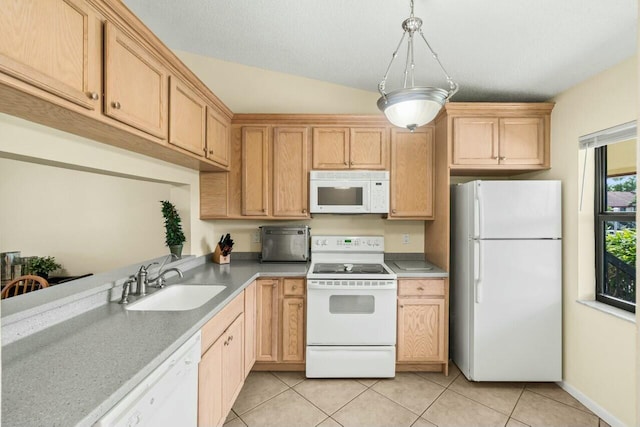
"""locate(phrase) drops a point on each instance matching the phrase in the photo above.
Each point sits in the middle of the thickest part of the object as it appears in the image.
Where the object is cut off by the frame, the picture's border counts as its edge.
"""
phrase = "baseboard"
(591, 405)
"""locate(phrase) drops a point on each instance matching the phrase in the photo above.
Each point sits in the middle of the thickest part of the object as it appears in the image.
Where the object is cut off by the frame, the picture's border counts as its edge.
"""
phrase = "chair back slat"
(23, 285)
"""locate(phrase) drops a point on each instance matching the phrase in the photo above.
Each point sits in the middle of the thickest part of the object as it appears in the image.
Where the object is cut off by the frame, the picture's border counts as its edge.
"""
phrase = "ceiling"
(497, 50)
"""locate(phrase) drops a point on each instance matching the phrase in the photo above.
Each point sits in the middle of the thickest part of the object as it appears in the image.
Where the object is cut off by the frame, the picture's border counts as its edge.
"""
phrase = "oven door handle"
(312, 286)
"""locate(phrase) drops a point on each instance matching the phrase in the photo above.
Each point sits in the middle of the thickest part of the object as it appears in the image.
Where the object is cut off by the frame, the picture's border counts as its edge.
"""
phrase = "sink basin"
(177, 298)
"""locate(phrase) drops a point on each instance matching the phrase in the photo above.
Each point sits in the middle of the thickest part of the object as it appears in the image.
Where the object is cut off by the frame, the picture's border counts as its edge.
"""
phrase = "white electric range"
(351, 309)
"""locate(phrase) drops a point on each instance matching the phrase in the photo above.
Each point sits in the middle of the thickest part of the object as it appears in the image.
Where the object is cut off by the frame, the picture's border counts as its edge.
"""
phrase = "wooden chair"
(22, 285)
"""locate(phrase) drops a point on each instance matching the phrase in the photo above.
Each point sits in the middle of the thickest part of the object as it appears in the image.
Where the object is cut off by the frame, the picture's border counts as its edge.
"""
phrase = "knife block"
(218, 258)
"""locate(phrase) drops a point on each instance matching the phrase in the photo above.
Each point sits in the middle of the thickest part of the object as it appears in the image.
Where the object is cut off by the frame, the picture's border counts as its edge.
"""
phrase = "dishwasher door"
(167, 397)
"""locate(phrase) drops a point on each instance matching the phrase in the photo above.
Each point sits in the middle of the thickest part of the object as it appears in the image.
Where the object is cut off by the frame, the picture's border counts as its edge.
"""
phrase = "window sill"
(614, 311)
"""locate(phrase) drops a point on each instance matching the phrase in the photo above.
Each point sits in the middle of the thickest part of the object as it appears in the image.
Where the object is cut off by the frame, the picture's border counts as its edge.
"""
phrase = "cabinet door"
(54, 45)
(255, 170)
(210, 398)
(475, 141)
(368, 148)
(267, 320)
(135, 84)
(522, 141)
(249, 328)
(290, 172)
(293, 329)
(421, 329)
(232, 363)
(330, 148)
(412, 174)
(218, 138)
(187, 117)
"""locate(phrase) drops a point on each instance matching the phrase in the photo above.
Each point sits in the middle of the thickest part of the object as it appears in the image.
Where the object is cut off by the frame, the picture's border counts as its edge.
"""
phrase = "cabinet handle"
(401, 306)
(274, 285)
(351, 163)
(226, 342)
(94, 96)
(495, 157)
(210, 151)
(205, 150)
(503, 158)
(420, 288)
(230, 337)
(304, 211)
(294, 287)
(393, 211)
(299, 305)
(346, 163)
(264, 209)
(116, 105)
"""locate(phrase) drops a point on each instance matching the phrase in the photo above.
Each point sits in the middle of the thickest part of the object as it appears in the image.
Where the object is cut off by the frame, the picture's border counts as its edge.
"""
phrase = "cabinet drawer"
(221, 321)
(423, 287)
(294, 287)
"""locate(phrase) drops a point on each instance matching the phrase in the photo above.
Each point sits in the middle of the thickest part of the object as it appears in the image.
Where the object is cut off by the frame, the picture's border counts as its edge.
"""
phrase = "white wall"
(92, 206)
(599, 349)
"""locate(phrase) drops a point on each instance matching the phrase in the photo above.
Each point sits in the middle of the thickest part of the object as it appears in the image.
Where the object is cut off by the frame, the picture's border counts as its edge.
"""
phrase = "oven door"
(329, 196)
(350, 316)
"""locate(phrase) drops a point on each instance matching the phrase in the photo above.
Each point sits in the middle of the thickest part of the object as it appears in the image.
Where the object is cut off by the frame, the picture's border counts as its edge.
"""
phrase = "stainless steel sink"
(177, 298)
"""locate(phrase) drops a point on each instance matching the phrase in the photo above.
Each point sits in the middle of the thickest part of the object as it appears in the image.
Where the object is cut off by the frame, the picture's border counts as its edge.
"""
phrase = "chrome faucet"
(126, 287)
(159, 281)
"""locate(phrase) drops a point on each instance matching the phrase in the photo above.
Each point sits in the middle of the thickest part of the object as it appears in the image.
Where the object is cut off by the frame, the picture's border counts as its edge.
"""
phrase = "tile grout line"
(261, 403)
(514, 406)
(479, 403)
(555, 400)
(397, 403)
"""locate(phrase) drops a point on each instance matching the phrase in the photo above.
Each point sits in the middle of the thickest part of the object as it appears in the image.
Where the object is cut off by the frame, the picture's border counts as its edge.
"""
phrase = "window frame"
(601, 216)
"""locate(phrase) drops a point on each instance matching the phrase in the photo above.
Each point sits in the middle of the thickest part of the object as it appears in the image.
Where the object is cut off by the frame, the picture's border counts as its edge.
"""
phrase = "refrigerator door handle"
(477, 211)
(477, 271)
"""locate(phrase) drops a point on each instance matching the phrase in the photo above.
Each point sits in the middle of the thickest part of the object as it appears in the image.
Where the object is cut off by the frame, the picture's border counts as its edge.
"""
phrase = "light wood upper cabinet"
(330, 148)
(218, 138)
(412, 174)
(486, 138)
(290, 172)
(475, 141)
(368, 148)
(255, 170)
(249, 327)
(55, 46)
(522, 141)
(135, 84)
(349, 148)
(187, 117)
(267, 320)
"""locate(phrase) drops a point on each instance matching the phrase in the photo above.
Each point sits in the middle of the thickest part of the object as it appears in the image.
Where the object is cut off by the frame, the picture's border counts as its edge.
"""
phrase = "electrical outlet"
(405, 239)
(255, 237)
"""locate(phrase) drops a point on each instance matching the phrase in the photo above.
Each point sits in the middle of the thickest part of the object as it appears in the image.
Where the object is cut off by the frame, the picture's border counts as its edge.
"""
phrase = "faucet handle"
(143, 268)
(126, 287)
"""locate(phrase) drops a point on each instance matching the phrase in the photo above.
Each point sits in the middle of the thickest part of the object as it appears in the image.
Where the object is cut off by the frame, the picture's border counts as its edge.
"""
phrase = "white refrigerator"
(506, 280)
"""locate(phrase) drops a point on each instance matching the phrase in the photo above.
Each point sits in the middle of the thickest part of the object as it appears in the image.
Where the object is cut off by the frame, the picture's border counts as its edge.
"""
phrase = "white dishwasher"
(166, 397)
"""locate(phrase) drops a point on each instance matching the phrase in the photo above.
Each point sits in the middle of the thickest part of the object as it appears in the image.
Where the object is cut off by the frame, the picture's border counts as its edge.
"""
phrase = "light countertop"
(72, 373)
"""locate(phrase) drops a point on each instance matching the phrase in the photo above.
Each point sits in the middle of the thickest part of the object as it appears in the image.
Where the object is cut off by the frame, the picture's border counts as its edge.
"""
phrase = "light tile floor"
(288, 399)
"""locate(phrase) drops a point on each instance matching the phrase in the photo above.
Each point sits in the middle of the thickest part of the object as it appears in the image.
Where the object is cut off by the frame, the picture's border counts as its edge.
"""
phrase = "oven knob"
(325, 242)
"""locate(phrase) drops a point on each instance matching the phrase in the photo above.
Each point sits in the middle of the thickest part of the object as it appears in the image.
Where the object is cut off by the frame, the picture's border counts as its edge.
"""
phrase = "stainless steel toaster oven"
(285, 243)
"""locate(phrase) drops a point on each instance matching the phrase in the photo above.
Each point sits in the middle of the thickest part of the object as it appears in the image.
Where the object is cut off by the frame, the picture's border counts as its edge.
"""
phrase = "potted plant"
(174, 237)
(42, 266)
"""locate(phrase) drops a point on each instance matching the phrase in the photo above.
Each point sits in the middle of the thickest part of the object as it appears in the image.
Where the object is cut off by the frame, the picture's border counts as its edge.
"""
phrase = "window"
(615, 224)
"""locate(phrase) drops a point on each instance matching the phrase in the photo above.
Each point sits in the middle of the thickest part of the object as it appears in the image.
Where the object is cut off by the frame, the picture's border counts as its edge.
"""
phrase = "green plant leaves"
(172, 224)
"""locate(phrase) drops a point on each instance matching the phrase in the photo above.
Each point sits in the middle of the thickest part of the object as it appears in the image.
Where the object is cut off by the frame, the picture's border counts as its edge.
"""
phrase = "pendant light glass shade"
(413, 106)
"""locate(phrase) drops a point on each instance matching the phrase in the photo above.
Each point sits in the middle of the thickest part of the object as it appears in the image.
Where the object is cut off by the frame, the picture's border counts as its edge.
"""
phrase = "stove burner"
(349, 269)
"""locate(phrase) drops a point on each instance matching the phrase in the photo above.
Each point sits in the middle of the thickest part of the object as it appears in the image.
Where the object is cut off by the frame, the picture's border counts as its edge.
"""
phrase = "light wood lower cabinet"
(281, 324)
(249, 327)
(423, 307)
(221, 370)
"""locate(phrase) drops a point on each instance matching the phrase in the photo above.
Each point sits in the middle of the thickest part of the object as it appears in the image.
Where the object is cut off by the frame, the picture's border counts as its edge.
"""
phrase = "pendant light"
(413, 106)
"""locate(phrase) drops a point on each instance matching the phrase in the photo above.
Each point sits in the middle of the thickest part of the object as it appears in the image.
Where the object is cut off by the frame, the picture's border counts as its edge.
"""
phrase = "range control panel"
(347, 244)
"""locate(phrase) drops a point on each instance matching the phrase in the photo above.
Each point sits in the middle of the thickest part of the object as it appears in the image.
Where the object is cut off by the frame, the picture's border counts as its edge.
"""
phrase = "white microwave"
(349, 192)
